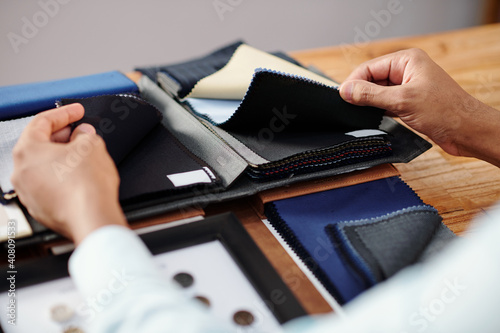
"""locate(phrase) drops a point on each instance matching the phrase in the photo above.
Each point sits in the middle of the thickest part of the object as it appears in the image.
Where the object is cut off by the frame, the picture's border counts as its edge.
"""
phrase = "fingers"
(46, 123)
(389, 69)
(366, 93)
(383, 82)
(61, 136)
(85, 139)
(82, 129)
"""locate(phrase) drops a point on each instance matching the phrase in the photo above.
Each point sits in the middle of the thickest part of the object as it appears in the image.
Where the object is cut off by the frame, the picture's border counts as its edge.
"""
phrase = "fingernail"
(72, 106)
(346, 91)
(86, 128)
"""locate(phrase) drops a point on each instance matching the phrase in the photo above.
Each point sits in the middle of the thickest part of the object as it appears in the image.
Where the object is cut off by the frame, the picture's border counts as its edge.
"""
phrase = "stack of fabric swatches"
(353, 237)
(282, 119)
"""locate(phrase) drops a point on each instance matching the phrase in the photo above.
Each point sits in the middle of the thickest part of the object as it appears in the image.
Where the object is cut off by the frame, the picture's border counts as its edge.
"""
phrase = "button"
(203, 300)
(186, 280)
(243, 318)
(61, 313)
(73, 329)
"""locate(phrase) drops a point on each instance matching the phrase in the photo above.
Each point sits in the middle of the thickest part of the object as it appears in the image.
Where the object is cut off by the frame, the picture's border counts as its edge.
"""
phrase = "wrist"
(94, 218)
(479, 133)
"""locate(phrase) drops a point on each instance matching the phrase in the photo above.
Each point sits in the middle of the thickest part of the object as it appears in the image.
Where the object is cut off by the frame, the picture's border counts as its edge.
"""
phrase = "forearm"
(141, 300)
(478, 134)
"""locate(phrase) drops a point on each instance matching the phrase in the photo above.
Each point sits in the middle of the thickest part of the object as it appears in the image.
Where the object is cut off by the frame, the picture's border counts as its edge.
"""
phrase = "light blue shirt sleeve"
(124, 291)
(456, 292)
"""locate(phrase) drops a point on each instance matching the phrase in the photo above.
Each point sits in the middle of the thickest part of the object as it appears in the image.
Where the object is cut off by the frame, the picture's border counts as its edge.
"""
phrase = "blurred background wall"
(51, 39)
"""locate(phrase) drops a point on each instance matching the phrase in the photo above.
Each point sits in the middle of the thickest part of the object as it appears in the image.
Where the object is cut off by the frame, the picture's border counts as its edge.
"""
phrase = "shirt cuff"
(109, 258)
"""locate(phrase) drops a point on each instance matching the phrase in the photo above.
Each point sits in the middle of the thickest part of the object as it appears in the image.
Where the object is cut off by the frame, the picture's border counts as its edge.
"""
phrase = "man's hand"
(408, 84)
(69, 183)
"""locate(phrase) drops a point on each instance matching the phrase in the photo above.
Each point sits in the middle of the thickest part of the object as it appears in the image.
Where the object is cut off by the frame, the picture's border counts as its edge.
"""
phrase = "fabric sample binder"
(150, 160)
(287, 128)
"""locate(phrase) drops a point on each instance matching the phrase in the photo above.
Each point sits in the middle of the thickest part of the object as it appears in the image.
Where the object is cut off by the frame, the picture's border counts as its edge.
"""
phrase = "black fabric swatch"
(296, 105)
(341, 155)
(145, 169)
(121, 120)
(144, 151)
(300, 127)
(286, 145)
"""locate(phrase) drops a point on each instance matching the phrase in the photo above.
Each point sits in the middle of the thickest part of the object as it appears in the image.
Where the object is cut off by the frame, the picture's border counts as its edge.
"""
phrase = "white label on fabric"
(189, 178)
(365, 132)
(209, 172)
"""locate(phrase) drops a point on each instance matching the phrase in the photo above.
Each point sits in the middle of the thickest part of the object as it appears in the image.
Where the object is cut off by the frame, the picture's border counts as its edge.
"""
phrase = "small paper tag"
(189, 178)
(366, 132)
(209, 173)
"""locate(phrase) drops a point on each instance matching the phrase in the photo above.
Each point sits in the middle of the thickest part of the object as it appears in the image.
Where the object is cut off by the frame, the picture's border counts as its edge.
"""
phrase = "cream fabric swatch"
(232, 81)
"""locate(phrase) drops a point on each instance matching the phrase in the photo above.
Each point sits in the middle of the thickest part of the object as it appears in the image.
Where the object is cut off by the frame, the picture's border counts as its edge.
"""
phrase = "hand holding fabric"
(410, 85)
(67, 182)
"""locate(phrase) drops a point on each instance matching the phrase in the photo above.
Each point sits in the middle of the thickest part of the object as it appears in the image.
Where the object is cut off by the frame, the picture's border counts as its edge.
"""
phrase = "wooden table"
(460, 188)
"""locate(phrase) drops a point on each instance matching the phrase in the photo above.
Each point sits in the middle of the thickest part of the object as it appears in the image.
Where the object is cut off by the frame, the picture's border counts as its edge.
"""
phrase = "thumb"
(366, 93)
(82, 129)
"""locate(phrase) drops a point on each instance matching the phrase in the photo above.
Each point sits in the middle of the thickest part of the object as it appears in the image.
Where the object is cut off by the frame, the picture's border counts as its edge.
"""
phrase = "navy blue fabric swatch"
(302, 221)
(28, 99)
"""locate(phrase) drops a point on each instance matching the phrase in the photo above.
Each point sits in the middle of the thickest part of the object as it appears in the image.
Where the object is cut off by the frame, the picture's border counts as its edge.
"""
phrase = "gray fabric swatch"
(396, 241)
(248, 154)
(193, 134)
(10, 131)
(442, 237)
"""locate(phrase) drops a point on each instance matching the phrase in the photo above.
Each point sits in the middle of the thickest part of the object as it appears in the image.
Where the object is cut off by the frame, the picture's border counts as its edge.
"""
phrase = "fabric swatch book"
(225, 126)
